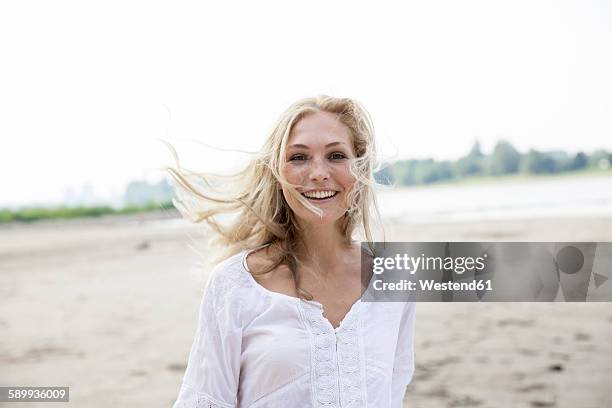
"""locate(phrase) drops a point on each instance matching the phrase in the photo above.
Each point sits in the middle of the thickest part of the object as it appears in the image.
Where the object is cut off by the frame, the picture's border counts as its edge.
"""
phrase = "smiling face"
(317, 160)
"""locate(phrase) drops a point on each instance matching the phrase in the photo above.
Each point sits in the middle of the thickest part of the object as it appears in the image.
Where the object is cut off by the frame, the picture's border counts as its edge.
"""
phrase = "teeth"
(319, 194)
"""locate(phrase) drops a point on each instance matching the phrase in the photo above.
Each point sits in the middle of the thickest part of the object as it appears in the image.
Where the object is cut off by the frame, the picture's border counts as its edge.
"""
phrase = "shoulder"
(230, 270)
(230, 299)
(227, 281)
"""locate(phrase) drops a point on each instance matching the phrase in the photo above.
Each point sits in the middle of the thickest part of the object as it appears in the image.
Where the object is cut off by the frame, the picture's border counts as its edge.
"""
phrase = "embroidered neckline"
(269, 292)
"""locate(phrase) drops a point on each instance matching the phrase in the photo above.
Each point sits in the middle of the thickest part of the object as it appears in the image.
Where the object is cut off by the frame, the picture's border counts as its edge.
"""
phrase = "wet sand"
(109, 308)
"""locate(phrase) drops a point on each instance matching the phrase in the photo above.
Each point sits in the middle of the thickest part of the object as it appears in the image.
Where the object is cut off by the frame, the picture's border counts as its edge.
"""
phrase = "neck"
(322, 246)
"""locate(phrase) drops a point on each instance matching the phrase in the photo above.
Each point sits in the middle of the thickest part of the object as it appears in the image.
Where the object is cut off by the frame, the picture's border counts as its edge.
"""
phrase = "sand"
(109, 308)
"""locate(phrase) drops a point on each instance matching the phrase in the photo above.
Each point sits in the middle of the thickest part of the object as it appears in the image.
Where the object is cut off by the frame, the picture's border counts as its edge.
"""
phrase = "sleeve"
(213, 369)
(403, 367)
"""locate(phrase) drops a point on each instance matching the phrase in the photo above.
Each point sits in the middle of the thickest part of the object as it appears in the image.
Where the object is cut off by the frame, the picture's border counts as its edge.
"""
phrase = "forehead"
(319, 128)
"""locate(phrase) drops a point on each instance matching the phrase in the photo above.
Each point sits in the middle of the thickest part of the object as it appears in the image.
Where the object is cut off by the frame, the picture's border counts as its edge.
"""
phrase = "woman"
(281, 322)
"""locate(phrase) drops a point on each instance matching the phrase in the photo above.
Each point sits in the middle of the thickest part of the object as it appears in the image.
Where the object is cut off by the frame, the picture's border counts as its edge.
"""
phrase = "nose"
(319, 170)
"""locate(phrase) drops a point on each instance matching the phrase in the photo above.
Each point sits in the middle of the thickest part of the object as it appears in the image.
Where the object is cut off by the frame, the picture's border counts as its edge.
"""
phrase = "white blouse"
(258, 348)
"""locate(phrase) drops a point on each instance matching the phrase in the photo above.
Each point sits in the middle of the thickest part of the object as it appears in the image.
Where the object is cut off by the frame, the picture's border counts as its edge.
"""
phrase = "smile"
(320, 195)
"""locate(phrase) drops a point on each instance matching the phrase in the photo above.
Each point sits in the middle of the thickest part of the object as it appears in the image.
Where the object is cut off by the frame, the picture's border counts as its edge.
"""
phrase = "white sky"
(86, 87)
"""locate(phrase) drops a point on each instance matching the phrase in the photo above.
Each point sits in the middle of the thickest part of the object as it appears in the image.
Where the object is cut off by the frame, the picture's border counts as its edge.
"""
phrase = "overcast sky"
(87, 87)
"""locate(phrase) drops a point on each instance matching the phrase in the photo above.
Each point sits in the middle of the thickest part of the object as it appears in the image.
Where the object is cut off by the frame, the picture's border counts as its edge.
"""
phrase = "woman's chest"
(289, 329)
(286, 343)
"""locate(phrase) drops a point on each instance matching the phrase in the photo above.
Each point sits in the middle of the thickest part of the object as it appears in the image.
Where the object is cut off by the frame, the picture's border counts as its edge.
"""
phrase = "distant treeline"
(142, 196)
(39, 213)
(142, 192)
(504, 160)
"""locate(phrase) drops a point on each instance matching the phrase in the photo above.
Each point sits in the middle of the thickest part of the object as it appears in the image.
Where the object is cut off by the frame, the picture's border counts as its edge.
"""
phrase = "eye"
(337, 156)
(297, 157)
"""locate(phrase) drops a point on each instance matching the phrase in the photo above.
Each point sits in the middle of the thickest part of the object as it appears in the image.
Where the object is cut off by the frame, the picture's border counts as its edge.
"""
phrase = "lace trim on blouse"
(337, 357)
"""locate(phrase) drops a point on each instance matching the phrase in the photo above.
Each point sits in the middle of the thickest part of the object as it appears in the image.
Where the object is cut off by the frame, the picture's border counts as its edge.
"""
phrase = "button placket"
(337, 360)
(326, 375)
(349, 357)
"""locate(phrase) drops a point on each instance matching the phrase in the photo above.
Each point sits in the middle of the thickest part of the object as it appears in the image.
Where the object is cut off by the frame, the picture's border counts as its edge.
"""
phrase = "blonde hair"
(262, 215)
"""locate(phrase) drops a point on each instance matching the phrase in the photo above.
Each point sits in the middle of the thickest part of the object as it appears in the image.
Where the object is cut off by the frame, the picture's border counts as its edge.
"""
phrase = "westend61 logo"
(487, 271)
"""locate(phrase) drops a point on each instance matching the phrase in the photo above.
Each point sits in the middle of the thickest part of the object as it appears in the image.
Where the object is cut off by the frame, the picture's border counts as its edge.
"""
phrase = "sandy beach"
(109, 308)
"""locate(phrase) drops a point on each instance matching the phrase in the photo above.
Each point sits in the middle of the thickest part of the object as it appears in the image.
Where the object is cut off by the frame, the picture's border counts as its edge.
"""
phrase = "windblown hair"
(261, 213)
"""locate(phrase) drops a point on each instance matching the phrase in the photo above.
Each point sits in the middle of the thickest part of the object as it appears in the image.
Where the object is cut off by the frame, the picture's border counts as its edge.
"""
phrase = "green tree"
(471, 164)
(599, 157)
(579, 161)
(475, 151)
(535, 162)
(505, 159)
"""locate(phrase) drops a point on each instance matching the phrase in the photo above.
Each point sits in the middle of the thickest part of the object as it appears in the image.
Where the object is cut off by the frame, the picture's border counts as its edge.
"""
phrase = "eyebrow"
(303, 146)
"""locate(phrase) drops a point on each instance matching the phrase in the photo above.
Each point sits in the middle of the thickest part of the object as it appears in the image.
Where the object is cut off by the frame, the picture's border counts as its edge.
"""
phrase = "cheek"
(345, 177)
(293, 174)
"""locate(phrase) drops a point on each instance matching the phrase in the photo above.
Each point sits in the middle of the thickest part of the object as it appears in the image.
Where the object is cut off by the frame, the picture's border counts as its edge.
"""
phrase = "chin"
(313, 219)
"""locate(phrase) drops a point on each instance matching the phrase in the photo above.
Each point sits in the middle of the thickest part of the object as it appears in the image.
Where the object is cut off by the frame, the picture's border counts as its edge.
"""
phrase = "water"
(534, 198)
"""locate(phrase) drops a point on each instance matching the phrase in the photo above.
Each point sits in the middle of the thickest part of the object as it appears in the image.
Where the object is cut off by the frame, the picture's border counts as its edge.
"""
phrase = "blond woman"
(281, 322)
